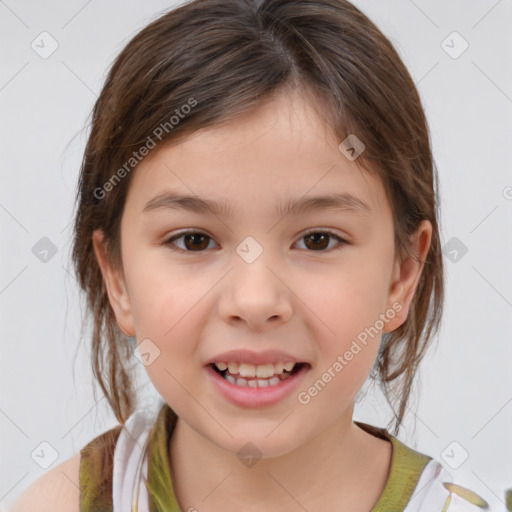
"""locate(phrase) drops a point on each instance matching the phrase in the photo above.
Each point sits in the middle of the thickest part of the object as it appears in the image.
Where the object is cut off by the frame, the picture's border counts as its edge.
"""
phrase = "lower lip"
(245, 396)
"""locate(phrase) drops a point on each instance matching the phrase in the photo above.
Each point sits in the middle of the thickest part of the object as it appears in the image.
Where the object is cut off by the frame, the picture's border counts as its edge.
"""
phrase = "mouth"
(247, 386)
(247, 375)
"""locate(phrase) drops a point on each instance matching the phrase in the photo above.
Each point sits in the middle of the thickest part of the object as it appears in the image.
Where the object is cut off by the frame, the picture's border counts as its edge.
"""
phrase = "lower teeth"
(255, 383)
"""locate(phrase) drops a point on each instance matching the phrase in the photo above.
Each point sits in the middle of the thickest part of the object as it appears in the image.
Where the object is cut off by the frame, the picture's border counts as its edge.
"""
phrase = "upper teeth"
(260, 370)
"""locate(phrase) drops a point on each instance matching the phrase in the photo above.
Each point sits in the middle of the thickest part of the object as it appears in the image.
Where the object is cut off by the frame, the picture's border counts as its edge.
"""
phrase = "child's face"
(301, 295)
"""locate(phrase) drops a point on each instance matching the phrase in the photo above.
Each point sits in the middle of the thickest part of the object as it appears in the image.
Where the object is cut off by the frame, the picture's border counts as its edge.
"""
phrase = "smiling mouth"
(257, 381)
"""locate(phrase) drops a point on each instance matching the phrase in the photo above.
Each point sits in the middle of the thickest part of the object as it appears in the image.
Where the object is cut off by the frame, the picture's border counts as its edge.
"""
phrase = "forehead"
(284, 149)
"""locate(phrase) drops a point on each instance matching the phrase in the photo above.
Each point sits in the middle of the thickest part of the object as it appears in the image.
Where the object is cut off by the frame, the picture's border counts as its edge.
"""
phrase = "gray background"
(465, 391)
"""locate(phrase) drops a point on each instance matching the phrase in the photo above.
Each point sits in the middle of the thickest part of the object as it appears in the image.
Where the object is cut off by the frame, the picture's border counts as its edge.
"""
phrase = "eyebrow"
(293, 206)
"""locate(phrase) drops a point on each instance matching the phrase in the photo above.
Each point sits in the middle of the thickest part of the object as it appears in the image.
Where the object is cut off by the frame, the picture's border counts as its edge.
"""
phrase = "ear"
(406, 275)
(115, 284)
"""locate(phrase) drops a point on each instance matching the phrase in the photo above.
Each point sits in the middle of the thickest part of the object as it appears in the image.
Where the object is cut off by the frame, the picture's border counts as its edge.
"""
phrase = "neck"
(342, 463)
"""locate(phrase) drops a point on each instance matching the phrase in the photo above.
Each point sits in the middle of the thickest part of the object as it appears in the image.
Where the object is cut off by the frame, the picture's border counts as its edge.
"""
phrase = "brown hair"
(225, 57)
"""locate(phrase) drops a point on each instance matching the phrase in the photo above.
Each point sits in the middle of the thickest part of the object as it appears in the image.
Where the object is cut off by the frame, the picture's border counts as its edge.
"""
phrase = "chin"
(257, 441)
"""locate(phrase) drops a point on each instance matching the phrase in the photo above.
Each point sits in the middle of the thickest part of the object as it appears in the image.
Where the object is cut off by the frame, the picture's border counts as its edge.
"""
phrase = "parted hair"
(222, 58)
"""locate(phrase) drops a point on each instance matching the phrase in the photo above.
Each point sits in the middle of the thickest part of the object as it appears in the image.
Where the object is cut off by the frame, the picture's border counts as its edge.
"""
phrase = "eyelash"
(169, 242)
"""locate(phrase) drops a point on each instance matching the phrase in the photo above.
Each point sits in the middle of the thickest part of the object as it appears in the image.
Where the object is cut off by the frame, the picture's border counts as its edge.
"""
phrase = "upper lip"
(251, 357)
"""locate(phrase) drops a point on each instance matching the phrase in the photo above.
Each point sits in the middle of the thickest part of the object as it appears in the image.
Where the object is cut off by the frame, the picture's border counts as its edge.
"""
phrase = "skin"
(311, 303)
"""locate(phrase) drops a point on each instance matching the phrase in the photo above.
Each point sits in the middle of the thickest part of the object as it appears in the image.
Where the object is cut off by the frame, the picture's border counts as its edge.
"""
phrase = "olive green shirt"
(97, 463)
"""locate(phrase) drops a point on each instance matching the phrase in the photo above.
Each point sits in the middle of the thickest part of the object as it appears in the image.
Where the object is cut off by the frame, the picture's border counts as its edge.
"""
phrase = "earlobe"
(406, 275)
(115, 285)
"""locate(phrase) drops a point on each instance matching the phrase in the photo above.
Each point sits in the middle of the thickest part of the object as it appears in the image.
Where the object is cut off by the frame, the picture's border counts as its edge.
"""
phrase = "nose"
(255, 294)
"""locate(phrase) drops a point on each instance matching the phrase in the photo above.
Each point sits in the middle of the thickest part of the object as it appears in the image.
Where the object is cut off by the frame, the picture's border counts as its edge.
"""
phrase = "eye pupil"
(193, 237)
(318, 237)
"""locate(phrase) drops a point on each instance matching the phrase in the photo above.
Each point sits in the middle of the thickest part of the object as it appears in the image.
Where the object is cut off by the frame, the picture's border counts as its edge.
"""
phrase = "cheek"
(160, 293)
(168, 311)
(164, 307)
(344, 302)
(346, 339)
(343, 309)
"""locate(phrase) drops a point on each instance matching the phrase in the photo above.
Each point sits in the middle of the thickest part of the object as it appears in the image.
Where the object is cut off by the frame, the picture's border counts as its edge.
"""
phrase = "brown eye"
(319, 240)
(193, 241)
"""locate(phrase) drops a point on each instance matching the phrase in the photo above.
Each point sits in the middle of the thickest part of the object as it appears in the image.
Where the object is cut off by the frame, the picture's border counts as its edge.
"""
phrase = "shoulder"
(58, 490)
(86, 475)
(419, 483)
(436, 490)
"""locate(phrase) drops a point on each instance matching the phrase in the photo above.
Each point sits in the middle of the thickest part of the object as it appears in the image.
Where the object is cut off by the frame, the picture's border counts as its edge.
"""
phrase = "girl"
(257, 224)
